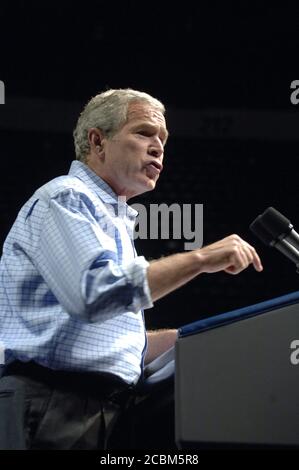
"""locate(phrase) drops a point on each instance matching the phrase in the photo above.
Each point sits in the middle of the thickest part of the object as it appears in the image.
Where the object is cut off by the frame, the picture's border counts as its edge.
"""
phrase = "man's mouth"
(156, 166)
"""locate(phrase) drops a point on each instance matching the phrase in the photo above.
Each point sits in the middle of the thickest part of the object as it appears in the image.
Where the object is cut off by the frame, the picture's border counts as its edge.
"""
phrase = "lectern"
(235, 383)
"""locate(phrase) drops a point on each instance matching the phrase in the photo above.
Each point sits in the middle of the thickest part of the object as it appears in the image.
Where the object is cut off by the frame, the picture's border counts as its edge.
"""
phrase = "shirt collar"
(99, 186)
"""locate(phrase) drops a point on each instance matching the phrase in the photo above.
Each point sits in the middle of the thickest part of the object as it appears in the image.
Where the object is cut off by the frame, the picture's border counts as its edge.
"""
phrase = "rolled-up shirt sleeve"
(77, 257)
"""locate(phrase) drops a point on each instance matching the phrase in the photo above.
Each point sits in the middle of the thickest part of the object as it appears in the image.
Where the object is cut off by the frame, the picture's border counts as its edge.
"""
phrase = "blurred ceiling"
(191, 54)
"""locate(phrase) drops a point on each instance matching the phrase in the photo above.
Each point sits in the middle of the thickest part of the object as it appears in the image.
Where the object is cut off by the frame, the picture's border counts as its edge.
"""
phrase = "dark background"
(223, 71)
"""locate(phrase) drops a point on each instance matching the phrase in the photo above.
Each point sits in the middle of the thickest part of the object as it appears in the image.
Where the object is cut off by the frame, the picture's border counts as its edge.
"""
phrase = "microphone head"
(260, 231)
(275, 223)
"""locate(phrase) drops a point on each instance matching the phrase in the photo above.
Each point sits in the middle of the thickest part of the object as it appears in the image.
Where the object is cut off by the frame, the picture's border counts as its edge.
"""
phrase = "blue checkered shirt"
(72, 289)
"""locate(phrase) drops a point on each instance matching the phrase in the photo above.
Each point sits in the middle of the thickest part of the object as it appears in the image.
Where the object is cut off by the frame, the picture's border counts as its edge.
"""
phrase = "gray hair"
(108, 112)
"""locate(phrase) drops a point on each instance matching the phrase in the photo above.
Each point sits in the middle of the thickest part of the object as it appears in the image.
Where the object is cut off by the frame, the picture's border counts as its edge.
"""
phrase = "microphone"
(275, 230)
(279, 226)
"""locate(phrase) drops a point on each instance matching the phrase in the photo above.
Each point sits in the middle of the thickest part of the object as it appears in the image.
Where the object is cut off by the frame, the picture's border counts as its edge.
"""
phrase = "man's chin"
(151, 185)
(144, 188)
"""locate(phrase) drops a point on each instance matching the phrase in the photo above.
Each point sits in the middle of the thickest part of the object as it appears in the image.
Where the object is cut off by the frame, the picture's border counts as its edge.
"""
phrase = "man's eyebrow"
(151, 125)
(166, 134)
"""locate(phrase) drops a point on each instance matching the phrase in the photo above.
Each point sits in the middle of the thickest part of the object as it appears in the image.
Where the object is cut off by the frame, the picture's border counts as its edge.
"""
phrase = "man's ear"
(95, 139)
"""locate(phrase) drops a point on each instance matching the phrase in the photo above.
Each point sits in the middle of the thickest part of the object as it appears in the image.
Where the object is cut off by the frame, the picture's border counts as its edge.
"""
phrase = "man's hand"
(231, 254)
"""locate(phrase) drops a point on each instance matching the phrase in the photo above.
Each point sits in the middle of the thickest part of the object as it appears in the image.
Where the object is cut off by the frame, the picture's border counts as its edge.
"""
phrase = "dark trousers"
(45, 409)
(151, 421)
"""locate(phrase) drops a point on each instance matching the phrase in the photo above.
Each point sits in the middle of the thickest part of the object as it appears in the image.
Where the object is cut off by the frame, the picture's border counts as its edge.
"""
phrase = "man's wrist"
(197, 261)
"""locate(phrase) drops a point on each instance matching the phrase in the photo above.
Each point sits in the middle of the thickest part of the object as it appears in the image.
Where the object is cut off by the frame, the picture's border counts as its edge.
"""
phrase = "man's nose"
(156, 149)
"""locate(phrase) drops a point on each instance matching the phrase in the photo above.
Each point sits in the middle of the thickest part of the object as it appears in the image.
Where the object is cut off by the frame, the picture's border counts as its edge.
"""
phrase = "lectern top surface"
(238, 314)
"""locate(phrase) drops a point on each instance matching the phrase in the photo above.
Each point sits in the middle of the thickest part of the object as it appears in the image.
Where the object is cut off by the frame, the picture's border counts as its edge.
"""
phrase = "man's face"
(133, 156)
